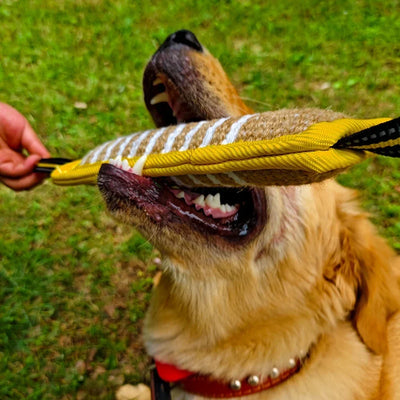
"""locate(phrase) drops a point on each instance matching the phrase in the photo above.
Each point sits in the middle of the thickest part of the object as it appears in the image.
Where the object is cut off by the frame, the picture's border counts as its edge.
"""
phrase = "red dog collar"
(206, 386)
(170, 373)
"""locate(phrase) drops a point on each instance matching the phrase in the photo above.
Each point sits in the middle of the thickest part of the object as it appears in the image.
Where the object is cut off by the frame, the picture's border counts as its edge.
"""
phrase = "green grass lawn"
(74, 284)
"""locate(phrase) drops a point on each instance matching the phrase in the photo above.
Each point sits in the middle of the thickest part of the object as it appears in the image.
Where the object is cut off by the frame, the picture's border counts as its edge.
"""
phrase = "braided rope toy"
(273, 148)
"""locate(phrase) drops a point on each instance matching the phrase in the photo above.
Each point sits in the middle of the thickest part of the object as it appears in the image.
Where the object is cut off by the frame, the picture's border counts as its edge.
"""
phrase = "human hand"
(16, 135)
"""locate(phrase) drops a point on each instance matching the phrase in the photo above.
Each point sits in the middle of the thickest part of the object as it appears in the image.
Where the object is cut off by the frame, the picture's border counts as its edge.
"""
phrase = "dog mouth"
(171, 81)
(228, 213)
(165, 102)
(171, 85)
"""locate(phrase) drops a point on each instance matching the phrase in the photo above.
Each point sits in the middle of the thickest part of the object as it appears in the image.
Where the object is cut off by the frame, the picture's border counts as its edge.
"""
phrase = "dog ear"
(378, 295)
(369, 264)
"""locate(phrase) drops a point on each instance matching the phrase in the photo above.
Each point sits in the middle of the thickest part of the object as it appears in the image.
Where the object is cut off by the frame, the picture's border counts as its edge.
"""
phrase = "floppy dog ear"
(372, 270)
(378, 296)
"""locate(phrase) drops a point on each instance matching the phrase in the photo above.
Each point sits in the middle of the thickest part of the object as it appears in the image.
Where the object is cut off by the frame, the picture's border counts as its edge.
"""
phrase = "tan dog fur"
(292, 289)
(316, 279)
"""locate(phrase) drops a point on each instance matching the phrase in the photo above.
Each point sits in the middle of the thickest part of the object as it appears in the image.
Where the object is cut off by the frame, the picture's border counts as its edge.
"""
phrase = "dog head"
(299, 254)
(183, 82)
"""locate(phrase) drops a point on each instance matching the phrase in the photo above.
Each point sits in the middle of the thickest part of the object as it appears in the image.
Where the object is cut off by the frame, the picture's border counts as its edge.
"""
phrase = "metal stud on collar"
(235, 384)
(292, 362)
(253, 380)
(274, 373)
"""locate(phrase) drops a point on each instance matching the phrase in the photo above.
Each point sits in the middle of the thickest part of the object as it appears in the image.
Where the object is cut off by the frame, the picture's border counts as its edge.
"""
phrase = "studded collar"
(206, 386)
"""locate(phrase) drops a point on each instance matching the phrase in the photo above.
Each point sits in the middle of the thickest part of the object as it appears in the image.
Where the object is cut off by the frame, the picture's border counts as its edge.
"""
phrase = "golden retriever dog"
(295, 296)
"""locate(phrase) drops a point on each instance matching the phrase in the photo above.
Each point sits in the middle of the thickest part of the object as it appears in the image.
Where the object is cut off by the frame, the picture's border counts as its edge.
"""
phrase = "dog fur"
(316, 279)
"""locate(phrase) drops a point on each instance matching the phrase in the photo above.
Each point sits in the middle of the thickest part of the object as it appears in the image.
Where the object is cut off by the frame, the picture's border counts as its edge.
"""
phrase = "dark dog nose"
(184, 37)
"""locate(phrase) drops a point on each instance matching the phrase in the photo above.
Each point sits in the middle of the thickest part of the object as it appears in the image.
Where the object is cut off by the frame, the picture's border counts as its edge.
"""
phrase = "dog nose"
(184, 37)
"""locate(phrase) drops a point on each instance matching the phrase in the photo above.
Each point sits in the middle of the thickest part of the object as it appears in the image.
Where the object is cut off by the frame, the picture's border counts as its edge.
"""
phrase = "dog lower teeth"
(199, 201)
(210, 205)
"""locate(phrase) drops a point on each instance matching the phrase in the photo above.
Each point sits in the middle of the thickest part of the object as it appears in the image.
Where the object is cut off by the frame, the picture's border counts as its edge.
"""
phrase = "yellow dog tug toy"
(286, 147)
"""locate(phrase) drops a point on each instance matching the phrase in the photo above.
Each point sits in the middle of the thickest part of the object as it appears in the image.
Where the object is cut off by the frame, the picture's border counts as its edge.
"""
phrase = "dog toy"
(283, 147)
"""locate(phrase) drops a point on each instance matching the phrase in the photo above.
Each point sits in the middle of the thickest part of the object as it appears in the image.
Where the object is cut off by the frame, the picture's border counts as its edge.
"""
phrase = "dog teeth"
(117, 161)
(138, 167)
(159, 98)
(120, 163)
(229, 208)
(213, 201)
(199, 201)
(211, 204)
(157, 81)
(125, 165)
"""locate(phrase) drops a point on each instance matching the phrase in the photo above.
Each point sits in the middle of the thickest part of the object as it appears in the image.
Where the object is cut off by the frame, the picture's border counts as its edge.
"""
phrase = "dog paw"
(130, 392)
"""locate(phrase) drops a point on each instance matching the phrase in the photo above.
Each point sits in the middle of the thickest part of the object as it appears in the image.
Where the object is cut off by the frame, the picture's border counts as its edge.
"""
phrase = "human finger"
(32, 143)
(24, 183)
(15, 165)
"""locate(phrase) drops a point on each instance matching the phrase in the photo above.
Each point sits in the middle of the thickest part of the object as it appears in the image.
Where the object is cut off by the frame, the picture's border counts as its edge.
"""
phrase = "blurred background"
(74, 284)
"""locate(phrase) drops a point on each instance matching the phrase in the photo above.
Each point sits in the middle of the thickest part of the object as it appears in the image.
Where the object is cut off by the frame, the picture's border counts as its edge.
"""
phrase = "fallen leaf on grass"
(80, 105)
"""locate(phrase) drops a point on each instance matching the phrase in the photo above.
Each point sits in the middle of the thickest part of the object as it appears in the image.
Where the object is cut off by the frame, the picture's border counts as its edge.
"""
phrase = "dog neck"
(338, 360)
(202, 328)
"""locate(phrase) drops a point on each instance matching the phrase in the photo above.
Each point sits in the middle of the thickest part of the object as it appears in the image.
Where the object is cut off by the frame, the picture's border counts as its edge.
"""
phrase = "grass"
(74, 284)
